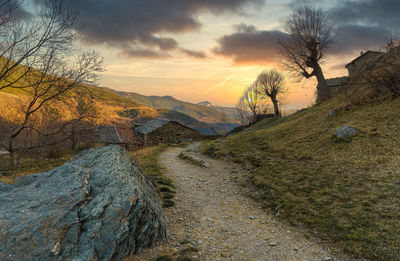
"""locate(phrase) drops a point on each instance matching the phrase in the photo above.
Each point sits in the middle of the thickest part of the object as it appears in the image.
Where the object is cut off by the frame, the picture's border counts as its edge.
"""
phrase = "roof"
(126, 134)
(206, 131)
(362, 55)
(107, 134)
(152, 126)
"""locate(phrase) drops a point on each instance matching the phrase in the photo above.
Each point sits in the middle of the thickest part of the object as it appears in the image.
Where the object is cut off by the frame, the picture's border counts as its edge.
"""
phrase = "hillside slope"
(198, 112)
(346, 192)
(109, 105)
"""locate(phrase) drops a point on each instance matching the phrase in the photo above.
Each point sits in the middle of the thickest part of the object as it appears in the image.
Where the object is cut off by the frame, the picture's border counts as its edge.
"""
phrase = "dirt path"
(212, 216)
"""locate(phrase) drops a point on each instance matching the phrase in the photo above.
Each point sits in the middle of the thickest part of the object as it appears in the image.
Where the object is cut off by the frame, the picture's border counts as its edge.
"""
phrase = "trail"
(213, 216)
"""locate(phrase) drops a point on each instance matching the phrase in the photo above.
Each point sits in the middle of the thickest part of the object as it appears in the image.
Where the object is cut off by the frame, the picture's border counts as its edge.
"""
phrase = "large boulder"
(97, 206)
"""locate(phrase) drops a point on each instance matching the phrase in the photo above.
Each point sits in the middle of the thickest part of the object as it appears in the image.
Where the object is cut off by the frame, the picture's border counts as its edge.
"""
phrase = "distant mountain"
(207, 104)
(180, 117)
(200, 113)
(230, 111)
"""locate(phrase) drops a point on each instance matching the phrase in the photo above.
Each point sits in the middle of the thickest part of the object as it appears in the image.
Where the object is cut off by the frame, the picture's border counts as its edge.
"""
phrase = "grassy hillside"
(345, 192)
(198, 112)
(108, 104)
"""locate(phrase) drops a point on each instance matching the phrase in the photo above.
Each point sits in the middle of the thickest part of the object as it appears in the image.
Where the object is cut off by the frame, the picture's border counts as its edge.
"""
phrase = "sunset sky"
(199, 50)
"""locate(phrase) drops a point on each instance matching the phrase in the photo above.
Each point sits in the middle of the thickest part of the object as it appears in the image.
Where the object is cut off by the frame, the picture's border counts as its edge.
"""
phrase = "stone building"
(361, 61)
(353, 67)
(160, 131)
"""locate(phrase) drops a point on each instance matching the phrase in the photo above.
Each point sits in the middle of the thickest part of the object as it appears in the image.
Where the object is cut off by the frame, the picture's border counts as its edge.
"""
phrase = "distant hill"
(230, 111)
(198, 112)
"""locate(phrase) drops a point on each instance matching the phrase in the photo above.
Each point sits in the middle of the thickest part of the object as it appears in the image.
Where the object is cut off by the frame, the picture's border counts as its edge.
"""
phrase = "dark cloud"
(132, 52)
(249, 45)
(194, 54)
(139, 23)
(14, 10)
(379, 13)
(352, 38)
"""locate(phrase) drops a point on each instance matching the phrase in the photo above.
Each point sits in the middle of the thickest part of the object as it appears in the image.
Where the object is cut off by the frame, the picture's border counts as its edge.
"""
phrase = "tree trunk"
(73, 137)
(13, 153)
(276, 107)
(323, 91)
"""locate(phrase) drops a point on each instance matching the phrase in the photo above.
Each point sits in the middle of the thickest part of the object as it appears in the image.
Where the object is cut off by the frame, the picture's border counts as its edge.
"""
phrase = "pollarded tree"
(309, 35)
(272, 84)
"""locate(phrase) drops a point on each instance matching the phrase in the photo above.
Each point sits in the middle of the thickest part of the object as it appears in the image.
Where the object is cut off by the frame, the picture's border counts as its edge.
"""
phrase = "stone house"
(160, 131)
(359, 63)
(353, 67)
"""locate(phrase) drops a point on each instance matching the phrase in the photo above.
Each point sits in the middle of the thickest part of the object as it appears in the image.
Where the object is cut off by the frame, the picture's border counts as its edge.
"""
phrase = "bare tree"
(49, 86)
(309, 35)
(42, 63)
(26, 41)
(272, 84)
(84, 114)
(242, 113)
(254, 102)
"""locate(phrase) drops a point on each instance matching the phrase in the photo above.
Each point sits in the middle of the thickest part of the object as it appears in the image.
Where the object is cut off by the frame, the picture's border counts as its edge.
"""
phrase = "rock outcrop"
(345, 132)
(97, 206)
(192, 157)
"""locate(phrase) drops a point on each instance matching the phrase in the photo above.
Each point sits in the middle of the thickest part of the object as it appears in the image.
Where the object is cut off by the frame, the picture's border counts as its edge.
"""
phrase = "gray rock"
(97, 206)
(192, 157)
(345, 132)
(332, 113)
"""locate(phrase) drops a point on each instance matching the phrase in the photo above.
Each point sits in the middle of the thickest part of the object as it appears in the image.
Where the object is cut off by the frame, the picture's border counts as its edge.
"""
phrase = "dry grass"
(29, 166)
(148, 163)
(346, 192)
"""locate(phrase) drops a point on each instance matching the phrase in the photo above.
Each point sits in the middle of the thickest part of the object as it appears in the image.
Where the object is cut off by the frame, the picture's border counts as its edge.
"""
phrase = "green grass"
(148, 163)
(347, 193)
(28, 166)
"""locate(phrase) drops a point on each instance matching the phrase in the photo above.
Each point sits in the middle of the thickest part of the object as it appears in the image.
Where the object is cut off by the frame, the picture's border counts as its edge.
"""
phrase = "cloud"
(132, 52)
(138, 23)
(352, 38)
(194, 54)
(379, 13)
(13, 9)
(250, 45)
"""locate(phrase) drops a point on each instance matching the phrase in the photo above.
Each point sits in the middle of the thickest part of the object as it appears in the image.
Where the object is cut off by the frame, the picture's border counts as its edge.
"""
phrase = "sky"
(197, 50)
